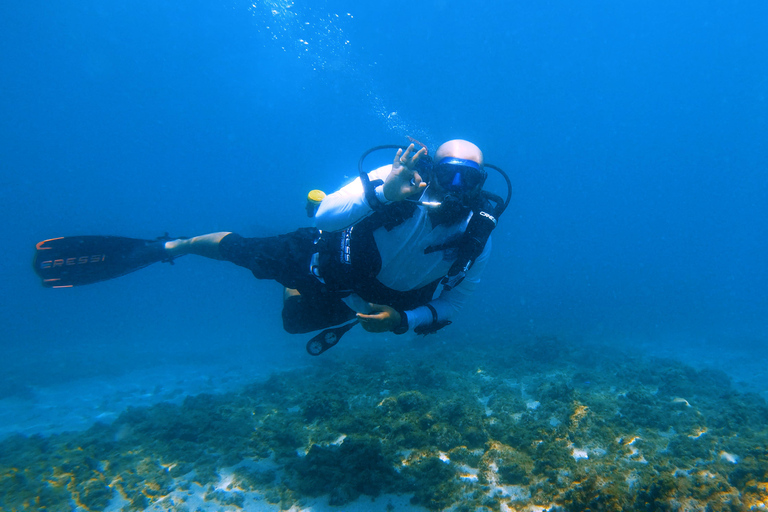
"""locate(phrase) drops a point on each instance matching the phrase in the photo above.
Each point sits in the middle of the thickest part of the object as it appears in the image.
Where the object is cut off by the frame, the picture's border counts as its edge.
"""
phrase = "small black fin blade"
(328, 338)
(79, 260)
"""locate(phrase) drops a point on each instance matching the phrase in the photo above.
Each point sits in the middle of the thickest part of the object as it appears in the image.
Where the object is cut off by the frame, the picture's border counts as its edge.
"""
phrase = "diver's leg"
(282, 258)
(204, 245)
(303, 314)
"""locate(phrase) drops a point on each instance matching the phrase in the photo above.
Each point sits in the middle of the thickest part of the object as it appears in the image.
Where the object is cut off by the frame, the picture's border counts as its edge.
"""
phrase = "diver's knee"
(292, 314)
(292, 328)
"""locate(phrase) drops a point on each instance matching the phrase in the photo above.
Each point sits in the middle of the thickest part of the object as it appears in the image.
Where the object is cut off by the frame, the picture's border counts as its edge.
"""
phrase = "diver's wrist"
(402, 326)
(380, 194)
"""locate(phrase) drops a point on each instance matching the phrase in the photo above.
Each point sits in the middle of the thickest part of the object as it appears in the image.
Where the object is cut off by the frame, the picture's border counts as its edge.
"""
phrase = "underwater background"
(635, 135)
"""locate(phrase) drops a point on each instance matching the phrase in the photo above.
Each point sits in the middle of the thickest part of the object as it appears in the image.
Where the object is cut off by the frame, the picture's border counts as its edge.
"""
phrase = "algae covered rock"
(433, 483)
(535, 425)
(354, 467)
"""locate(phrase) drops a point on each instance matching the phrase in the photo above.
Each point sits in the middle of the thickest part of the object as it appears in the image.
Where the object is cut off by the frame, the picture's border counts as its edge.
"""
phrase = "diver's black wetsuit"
(359, 260)
(287, 259)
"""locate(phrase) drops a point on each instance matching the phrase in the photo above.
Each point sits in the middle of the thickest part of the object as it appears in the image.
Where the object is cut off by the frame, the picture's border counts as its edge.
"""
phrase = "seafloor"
(538, 424)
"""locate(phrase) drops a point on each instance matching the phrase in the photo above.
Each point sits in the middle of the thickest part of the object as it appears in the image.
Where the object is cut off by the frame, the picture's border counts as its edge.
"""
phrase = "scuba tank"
(314, 198)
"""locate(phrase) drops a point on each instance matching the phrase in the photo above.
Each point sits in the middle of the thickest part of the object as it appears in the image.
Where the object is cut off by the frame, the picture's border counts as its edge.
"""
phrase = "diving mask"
(459, 174)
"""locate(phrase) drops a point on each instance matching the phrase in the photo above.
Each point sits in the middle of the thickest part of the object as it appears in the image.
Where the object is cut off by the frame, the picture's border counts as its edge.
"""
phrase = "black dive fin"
(328, 338)
(78, 260)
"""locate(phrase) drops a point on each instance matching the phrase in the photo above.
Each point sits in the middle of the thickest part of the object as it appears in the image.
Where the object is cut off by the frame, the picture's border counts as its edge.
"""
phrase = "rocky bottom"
(529, 425)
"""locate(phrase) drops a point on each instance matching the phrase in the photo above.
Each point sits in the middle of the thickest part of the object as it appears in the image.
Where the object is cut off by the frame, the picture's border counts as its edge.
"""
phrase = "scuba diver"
(398, 249)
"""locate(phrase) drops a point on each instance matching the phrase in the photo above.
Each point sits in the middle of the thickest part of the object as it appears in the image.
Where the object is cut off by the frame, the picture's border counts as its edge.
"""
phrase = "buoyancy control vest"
(485, 206)
(351, 262)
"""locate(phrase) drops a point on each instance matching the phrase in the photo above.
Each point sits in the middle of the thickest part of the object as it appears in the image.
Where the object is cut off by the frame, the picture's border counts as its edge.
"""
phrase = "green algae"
(537, 423)
(433, 483)
(355, 467)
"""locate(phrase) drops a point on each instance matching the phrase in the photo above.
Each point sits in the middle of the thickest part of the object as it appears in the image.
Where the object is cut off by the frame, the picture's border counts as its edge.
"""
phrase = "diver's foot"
(290, 292)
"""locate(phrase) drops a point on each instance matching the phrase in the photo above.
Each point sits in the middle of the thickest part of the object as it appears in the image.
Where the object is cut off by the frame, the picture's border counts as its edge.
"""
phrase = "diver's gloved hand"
(404, 181)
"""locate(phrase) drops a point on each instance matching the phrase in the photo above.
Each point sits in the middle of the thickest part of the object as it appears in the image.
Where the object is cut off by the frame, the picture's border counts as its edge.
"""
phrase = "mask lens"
(455, 177)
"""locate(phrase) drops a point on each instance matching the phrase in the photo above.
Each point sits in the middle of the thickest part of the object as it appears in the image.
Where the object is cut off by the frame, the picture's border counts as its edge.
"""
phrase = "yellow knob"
(315, 196)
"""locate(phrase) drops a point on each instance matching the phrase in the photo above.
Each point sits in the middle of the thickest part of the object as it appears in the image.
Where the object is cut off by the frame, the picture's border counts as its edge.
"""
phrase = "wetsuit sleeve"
(347, 206)
(450, 302)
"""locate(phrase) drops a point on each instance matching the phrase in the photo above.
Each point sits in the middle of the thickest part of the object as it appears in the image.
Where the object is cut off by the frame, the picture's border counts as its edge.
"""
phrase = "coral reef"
(531, 425)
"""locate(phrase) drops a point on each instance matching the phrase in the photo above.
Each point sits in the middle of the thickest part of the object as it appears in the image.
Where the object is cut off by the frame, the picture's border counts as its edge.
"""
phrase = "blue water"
(635, 134)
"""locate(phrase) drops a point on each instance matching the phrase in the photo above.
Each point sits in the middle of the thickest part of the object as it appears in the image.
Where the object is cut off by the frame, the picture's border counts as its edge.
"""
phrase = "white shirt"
(404, 266)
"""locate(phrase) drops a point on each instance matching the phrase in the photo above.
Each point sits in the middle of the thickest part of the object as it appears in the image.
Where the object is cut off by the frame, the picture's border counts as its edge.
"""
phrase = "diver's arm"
(347, 206)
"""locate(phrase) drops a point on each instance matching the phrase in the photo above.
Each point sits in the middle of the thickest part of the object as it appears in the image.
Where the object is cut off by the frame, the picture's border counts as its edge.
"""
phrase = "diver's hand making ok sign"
(403, 180)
